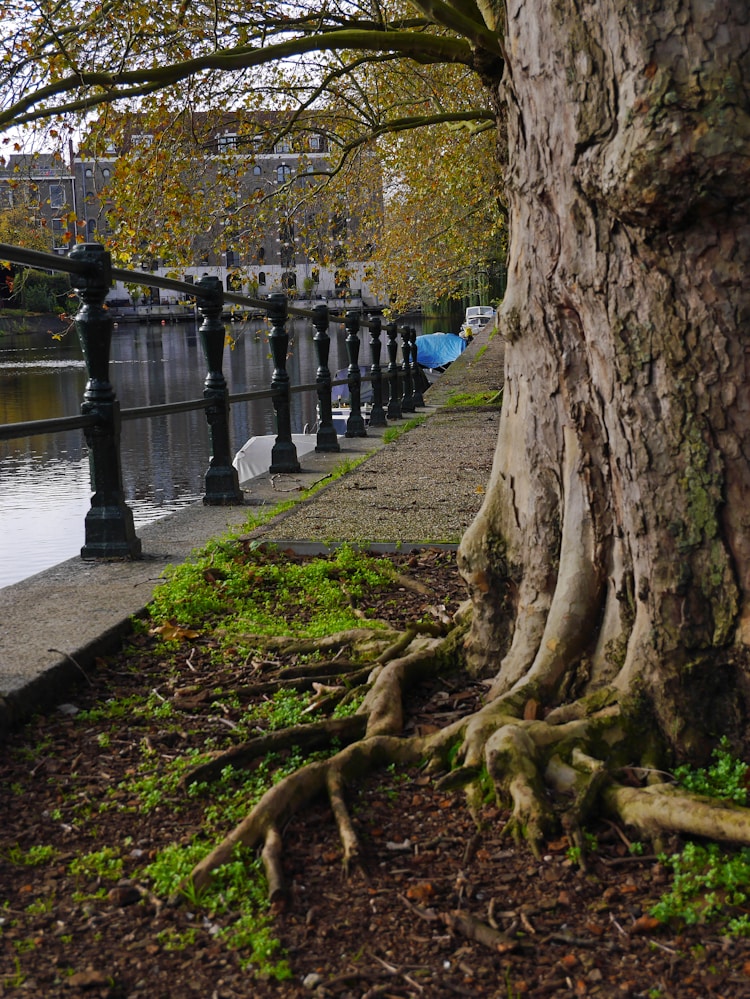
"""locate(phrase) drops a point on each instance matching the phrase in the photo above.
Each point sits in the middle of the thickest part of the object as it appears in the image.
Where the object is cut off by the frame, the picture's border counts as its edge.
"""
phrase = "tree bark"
(614, 542)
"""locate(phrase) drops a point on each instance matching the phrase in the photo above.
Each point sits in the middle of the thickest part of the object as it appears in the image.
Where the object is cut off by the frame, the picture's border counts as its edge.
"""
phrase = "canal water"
(44, 480)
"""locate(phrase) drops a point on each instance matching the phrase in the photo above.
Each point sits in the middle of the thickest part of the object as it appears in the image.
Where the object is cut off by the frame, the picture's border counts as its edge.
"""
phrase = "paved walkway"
(425, 487)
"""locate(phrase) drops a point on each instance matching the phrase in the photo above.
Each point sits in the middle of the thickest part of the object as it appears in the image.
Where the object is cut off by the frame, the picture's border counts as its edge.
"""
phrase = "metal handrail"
(110, 529)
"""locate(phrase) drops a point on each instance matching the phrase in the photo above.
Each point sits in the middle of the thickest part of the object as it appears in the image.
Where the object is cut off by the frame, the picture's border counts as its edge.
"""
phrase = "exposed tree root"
(292, 793)
(551, 772)
(306, 738)
(663, 808)
(347, 835)
(272, 865)
(328, 643)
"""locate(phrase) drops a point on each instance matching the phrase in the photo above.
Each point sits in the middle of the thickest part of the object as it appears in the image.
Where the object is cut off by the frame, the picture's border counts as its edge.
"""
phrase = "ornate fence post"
(327, 439)
(222, 484)
(283, 453)
(394, 384)
(407, 402)
(377, 413)
(417, 397)
(110, 532)
(355, 425)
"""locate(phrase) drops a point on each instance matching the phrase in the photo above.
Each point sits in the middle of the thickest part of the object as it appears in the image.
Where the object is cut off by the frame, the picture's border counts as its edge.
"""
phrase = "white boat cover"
(254, 457)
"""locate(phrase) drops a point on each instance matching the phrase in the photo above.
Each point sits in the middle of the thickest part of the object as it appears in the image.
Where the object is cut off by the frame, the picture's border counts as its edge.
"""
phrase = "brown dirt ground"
(399, 927)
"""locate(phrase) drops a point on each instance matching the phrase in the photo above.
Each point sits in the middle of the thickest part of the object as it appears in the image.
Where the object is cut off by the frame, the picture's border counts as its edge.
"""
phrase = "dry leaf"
(172, 632)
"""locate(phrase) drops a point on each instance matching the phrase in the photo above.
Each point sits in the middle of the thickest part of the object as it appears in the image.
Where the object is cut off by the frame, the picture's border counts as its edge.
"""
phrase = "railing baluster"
(283, 453)
(394, 385)
(355, 425)
(222, 483)
(417, 397)
(377, 413)
(110, 532)
(407, 402)
(327, 439)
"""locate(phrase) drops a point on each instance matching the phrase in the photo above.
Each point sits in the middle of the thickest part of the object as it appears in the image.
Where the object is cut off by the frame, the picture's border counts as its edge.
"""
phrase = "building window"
(232, 258)
(257, 171)
(56, 196)
(282, 146)
(92, 227)
(315, 143)
(260, 256)
(227, 143)
(261, 277)
(88, 172)
(290, 280)
(283, 173)
(58, 231)
(234, 282)
(106, 173)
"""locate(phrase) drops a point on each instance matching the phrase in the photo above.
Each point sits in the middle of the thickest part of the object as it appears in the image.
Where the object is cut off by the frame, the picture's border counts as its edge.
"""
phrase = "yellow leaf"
(172, 632)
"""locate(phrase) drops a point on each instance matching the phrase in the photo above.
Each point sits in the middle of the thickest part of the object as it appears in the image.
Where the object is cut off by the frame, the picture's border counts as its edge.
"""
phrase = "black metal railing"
(109, 527)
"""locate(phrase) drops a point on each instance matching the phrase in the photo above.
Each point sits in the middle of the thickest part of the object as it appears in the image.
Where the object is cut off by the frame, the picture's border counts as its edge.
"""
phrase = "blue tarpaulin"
(435, 350)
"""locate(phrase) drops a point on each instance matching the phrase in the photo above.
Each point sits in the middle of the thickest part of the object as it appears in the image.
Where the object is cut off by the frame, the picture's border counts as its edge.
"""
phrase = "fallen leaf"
(645, 924)
(420, 892)
(170, 631)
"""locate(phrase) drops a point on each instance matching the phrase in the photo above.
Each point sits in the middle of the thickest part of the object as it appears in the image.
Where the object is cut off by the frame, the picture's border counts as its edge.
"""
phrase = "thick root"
(271, 857)
(383, 703)
(511, 763)
(297, 790)
(307, 738)
(347, 835)
(328, 643)
(663, 808)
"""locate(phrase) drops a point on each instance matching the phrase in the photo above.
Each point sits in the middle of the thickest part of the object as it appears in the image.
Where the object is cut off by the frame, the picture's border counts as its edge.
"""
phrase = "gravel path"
(425, 487)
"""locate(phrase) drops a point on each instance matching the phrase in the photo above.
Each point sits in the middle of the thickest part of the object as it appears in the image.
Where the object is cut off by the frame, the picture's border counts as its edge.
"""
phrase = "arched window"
(261, 277)
(257, 170)
(283, 173)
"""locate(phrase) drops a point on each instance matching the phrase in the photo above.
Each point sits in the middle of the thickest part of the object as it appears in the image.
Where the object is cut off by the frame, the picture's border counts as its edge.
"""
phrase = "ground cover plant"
(390, 887)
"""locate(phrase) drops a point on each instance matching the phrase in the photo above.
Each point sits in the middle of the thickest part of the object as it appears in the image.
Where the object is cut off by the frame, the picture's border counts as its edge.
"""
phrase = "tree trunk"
(613, 547)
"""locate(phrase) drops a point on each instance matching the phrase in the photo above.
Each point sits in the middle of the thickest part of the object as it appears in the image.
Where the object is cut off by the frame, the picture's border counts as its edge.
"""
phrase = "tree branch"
(422, 47)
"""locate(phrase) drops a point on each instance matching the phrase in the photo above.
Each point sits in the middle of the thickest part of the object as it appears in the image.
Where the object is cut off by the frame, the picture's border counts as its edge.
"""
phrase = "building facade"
(270, 230)
(271, 227)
